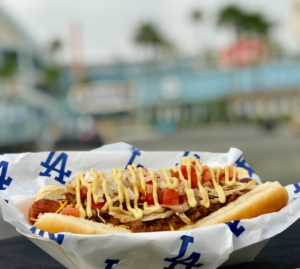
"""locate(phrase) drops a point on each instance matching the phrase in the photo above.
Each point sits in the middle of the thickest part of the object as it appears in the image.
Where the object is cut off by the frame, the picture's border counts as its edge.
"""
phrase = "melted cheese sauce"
(130, 182)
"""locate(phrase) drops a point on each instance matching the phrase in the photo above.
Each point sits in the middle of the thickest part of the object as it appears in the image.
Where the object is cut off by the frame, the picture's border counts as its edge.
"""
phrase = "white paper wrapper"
(22, 175)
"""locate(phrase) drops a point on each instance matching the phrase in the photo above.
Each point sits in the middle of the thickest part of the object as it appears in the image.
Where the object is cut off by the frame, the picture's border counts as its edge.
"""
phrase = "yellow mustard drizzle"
(82, 181)
(187, 162)
(203, 193)
(234, 174)
(218, 188)
(79, 179)
(231, 182)
(109, 202)
(95, 186)
(188, 190)
(89, 200)
(172, 182)
(116, 174)
(217, 174)
(91, 191)
(137, 179)
(137, 212)
(156, 206)
(155, 187)
(142, 178)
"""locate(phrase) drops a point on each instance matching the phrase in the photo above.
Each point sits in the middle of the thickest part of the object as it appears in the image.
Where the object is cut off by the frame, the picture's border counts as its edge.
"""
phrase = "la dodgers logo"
(57, 165)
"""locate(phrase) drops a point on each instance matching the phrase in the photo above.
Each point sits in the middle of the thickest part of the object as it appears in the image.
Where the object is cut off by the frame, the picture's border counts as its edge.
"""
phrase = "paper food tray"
(243, 255)
(235, 242)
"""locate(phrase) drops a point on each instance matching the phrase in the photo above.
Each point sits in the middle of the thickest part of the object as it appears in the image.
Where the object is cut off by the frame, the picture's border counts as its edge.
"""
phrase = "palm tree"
(232, 17)
(54, 47)
(196, 18)
(244, 23)
(149, 37)
(256, 24)
(8, 72)
(8, 69)
(51, 70)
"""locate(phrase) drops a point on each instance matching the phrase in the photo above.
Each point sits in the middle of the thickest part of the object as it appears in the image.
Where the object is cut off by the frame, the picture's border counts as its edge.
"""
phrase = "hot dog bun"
(265, 198)
(56, 223)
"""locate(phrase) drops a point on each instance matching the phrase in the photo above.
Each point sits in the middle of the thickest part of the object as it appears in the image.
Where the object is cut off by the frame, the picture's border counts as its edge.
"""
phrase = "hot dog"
(138, 199)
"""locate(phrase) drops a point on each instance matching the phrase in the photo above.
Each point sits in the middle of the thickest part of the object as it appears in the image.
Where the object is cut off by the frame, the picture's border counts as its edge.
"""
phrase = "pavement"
(273, 155)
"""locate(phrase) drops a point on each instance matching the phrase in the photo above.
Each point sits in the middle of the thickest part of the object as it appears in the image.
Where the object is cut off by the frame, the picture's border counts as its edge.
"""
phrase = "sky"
(107, 28)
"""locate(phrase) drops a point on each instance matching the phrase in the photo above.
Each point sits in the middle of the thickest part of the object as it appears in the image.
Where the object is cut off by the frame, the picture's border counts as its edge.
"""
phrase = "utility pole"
(77, 52)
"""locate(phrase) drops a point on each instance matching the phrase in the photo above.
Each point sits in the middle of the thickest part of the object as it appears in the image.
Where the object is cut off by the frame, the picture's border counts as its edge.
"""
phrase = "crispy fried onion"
(178, 208)
(158, 216)
(125, 216)
(167, 210)
(184, 218)
(99, 216)
(240, 187)
(230, 189)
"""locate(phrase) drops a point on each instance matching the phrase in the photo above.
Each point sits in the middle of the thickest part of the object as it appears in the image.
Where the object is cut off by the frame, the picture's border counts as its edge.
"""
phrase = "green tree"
(8, 72)
(244, 23)
(55, 47)
(196, 17)
(256, 24)
(51, 70)
(8, 68)
(231, 17)
(149, 37)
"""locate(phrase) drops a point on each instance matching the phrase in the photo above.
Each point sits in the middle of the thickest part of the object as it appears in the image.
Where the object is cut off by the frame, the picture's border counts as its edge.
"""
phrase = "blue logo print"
(241, 162)
(4, 180)
(187, 153)
(59, 238)
(57, 165)
(110, 263)
(233, 226)
(190, 261)
(135, 152)
(297, 188)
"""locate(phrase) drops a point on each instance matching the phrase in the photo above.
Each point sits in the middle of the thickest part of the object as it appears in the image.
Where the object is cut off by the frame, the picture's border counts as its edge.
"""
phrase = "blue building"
(27, 115)
(181, 93)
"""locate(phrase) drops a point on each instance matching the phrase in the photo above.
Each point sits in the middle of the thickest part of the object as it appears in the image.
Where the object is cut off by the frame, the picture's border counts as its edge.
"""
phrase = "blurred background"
(161, 75)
